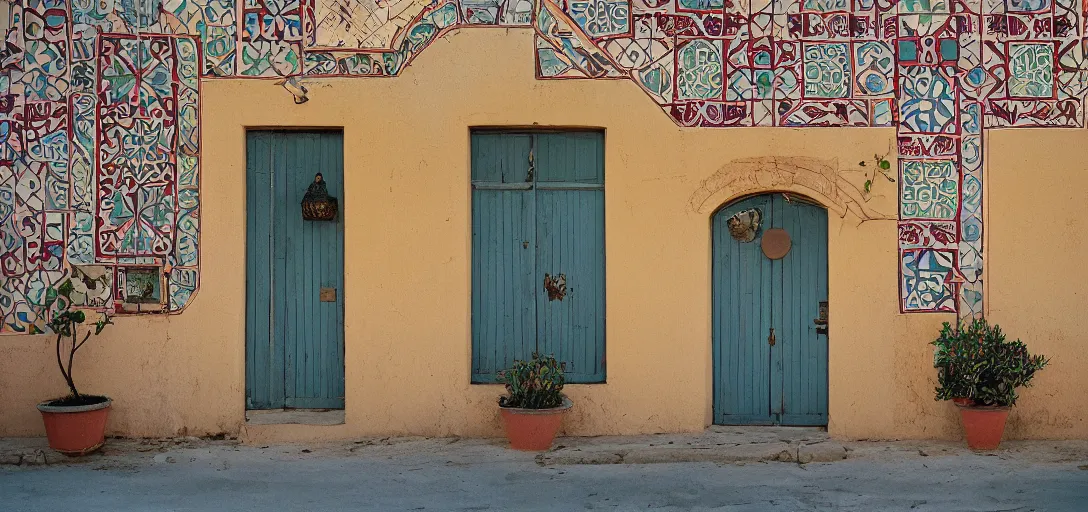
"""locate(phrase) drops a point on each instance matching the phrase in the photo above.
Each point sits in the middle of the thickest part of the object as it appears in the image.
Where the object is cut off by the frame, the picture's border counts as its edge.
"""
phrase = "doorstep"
(324, 417)
(278, 426)
(717, 444)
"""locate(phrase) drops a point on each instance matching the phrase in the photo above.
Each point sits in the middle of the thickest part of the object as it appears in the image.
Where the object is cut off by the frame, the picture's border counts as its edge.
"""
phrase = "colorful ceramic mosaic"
(99, 115)
(940, 71)
(99, 152)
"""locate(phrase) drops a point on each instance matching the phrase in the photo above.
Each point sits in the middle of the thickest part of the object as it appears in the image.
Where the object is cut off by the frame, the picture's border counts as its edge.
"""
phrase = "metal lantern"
(317, 204)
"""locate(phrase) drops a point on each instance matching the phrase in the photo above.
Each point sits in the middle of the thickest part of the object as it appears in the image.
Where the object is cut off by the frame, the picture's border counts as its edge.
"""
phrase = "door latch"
(821, 323)
(770, 338)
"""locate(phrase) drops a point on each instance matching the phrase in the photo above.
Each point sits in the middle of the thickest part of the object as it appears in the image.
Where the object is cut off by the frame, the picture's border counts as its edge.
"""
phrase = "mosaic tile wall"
(99, 147)
(99, 108)
(938, 71)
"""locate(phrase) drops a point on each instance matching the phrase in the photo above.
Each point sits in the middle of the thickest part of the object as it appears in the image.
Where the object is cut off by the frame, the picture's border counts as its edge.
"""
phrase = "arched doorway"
(769, 311)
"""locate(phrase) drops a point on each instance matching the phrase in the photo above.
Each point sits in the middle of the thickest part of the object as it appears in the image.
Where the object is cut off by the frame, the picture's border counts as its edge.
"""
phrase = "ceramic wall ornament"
(775, 243)
(744, 225)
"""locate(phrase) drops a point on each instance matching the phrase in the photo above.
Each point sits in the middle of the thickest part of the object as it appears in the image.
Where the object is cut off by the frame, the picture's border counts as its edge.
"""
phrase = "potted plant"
(534, 408)
(949, 358)
(74, 424)
(979, 370)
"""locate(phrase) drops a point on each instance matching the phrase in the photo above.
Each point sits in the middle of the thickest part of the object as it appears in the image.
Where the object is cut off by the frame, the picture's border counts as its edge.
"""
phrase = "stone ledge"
(825, 451)
(35, 451)
(37, 457)
(719, 445)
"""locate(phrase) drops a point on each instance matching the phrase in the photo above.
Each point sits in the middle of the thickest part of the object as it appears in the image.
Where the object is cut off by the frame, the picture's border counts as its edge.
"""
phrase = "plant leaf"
(66, 288)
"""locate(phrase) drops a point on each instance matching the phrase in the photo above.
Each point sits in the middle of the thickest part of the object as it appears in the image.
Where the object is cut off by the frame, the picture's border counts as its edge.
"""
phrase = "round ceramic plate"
(776, 243)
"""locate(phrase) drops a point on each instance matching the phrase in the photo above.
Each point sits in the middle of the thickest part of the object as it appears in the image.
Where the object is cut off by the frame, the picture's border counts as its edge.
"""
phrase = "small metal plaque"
(328, 295)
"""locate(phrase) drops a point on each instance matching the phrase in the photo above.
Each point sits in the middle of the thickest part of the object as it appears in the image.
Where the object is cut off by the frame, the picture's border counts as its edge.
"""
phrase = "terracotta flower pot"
(533, 429)
(75, 430)
(963, 401)
(983, 425)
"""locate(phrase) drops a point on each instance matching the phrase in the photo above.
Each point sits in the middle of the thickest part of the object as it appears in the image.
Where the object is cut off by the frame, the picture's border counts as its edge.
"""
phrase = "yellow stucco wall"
(407, 234)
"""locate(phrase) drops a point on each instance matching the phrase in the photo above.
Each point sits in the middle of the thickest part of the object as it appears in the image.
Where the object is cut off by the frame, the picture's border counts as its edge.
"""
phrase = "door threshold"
(722, 428)
(295, 417)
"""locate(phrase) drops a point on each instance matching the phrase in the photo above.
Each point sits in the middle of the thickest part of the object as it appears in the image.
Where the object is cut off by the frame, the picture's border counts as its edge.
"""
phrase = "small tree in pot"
(980, 371)
(534, 408)
(74, 424)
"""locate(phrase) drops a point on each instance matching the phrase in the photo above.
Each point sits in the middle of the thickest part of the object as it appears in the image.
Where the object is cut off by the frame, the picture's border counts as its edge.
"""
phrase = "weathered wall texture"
(1037, 238)
(407, 206)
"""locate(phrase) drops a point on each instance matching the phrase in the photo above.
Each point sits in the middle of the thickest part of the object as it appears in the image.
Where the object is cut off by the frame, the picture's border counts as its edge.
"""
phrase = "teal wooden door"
(294, 336)
(538, 251)
(760, 379)
(570, 244)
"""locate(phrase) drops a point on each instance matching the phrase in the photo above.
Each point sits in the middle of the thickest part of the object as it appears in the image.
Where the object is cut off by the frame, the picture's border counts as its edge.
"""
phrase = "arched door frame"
(785, 363)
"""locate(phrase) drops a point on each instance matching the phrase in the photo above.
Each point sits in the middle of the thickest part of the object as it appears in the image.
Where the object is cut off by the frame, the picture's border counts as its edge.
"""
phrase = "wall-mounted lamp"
(295, 87)
(317, 204)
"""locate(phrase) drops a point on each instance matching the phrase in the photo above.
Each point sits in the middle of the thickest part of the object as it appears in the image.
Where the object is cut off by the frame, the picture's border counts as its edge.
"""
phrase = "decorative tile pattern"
(827, 70)
(926, 279)
(927, 101)
(1031, 70)
(601, 18)
(99, 107)
(366, 24)
(929, 190)
(699, 70)
(99, 150)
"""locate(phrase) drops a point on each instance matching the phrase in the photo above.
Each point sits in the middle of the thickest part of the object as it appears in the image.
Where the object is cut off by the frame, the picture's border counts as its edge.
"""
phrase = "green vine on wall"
(881, 167)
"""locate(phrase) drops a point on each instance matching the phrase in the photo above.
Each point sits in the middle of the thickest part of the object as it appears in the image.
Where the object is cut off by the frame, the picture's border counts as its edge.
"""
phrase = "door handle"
(770, 338)
(821, 323)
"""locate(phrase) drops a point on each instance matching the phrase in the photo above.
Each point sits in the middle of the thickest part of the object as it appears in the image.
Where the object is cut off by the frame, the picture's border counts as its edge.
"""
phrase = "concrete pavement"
(463, 475)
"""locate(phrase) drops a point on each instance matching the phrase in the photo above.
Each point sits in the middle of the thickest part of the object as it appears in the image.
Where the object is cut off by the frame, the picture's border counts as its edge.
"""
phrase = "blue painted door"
(770, 355)
(538, 251)
(294, 331)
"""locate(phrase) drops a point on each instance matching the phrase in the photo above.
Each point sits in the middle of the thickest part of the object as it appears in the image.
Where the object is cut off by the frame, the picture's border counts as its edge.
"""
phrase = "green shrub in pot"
(533, 384)
(979, 370)
(975, 361)
(533, 409)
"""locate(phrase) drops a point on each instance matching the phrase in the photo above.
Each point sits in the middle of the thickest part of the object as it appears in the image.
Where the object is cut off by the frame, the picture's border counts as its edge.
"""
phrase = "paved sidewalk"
(723, 469)
(716, 445)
